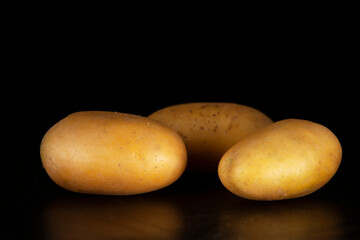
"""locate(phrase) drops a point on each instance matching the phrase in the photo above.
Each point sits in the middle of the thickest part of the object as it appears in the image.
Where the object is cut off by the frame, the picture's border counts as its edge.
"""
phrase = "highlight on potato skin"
(111, 153)
(209, 129)
(287, 159)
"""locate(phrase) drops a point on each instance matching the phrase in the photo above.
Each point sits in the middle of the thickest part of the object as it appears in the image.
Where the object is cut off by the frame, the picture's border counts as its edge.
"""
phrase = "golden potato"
(287, 159)
(112, 153)
(210, 129)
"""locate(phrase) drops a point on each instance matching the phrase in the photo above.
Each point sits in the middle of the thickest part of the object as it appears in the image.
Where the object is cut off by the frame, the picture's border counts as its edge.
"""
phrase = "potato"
(210, 129)
(287, 159)
(112, 153)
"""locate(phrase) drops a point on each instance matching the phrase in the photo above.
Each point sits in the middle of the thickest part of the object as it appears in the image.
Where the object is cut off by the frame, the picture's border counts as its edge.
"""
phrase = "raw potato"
(112, 153)
(210, 129)
(287, 159)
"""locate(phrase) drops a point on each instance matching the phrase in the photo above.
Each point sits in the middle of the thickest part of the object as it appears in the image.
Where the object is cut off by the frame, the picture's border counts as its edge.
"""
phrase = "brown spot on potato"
(182, 135)
(215, 128)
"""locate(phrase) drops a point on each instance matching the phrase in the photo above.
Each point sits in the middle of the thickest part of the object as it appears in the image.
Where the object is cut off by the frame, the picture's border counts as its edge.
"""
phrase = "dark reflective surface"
(111, 218)
(195, 207)
(297, 219)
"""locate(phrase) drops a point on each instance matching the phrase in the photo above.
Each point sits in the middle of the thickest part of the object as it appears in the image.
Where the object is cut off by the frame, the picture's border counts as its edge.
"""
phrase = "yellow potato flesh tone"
(287, 159)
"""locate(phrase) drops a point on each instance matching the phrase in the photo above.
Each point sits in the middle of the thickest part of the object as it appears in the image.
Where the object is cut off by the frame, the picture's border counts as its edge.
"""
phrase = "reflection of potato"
(286, 159)
(110, 218)
(297, 219)
(112, 153)
(210, 129)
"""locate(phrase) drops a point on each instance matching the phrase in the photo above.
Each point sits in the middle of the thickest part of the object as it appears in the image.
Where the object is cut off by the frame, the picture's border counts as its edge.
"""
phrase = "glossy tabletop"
(197, 206)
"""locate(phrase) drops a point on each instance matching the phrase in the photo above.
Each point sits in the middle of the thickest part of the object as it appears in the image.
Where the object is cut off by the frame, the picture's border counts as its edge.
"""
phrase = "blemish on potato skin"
(215, 128)
(182, 135)
(228, 128)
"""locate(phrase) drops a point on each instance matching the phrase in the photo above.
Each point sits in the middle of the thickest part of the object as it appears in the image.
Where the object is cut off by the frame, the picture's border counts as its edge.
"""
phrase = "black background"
(295, 70)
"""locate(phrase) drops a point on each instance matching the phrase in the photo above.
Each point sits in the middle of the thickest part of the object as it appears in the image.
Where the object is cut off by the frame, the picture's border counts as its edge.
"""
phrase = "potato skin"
(209, 129)
(287, 159)
(112, 153)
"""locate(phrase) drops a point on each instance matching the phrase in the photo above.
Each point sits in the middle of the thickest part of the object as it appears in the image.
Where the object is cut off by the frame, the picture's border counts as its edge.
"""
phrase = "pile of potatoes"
(100, 152)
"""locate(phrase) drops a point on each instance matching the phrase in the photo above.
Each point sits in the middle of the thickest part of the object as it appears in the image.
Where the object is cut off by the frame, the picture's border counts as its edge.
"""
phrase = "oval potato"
(210, 129)
(287, 159)
(112, 153)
